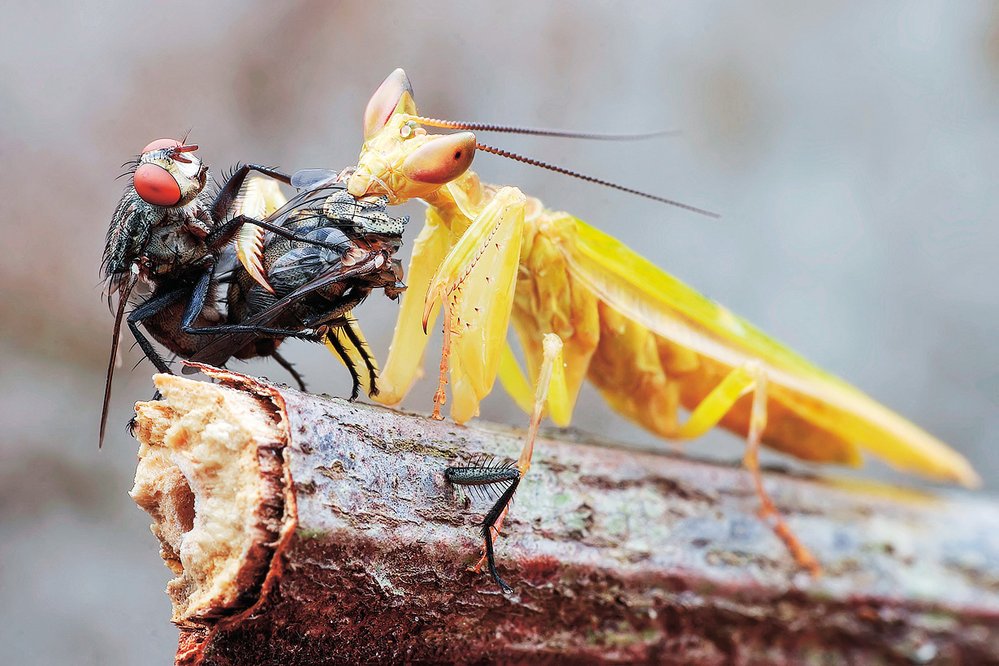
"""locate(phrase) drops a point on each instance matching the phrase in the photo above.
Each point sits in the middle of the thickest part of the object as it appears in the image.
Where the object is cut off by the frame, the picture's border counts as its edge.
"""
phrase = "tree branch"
(310, 530)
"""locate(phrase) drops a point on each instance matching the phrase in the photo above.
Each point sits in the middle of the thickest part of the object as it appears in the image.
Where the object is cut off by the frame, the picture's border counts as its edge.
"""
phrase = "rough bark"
(341, 542)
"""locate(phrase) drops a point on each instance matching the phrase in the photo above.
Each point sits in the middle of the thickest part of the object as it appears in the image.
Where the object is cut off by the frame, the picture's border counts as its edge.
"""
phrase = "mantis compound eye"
(394, 95)
(160, 144)
(441, 160)
(156, 185)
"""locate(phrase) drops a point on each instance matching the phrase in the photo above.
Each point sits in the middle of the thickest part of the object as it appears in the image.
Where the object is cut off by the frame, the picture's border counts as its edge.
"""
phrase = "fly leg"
(749, 378)
(146, 310)
(286, 364)
(360, 345)
(346, 341)
(489, 475)
(550, 391)
(230, 189)
(348, 344)
(334, 343)
(223, 233)
(132, 422)
(197, 303)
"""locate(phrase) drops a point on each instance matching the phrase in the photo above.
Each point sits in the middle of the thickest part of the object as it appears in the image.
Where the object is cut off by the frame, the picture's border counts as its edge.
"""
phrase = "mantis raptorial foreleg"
(750, 378)
(257, 198)
(475, 282)
(405, 357)
(551, 390)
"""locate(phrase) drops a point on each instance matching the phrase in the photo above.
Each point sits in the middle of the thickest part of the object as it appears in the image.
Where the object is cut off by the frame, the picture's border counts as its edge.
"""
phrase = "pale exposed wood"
(356, 548)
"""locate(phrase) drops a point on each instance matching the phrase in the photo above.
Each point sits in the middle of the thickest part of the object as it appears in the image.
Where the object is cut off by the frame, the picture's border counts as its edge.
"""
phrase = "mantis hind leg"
(768, 511)
(551, 390)
(709, 412)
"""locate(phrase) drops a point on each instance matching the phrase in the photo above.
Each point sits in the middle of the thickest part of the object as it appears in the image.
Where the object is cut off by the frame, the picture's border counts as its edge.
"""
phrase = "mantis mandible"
(585, 306)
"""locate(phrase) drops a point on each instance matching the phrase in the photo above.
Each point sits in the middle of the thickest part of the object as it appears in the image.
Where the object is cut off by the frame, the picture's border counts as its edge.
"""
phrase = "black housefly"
(170, 241)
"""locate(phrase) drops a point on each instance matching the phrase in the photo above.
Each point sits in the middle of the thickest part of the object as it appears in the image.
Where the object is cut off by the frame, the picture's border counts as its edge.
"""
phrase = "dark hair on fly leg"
(486, 475)
(487, 531)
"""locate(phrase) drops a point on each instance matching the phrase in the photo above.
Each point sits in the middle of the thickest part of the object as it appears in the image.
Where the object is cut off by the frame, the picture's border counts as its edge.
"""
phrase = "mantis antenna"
(591, 179)
(533, 131)
(509, 129)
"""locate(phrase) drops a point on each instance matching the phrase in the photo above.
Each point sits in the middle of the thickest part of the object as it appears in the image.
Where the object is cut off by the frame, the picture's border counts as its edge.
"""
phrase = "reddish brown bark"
(614, 555)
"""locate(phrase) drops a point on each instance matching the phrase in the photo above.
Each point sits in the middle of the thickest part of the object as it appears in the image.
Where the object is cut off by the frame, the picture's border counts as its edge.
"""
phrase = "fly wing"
(309, 179)
(220, 349)
(124, 291)
(824, 417)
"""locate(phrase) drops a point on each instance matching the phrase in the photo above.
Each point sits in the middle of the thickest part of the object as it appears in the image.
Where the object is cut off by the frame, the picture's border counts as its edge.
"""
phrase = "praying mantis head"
(399, 158)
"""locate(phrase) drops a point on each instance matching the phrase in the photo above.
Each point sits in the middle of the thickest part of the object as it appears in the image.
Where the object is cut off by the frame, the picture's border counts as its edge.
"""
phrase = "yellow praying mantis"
(584, 306)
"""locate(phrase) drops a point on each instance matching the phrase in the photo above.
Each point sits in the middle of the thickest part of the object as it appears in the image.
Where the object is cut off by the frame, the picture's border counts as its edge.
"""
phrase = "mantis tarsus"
(584, 305)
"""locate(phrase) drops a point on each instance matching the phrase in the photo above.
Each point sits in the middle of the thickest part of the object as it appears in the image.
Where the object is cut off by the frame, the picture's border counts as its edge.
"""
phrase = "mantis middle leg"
(550, 299)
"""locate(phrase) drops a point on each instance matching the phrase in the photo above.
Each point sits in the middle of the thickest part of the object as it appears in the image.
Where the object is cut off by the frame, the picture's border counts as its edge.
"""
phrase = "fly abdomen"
(131, 224)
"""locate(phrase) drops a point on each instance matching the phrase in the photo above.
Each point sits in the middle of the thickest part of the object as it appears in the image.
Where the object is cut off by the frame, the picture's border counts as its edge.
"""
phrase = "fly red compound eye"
(155, 185)
(160, 144)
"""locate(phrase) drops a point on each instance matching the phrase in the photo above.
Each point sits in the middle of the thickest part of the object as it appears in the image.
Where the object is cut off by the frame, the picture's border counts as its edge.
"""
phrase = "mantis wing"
(814, 415)
(221, 347)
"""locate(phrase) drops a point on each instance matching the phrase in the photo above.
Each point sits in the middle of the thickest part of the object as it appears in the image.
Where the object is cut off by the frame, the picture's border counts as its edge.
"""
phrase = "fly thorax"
(173, 246)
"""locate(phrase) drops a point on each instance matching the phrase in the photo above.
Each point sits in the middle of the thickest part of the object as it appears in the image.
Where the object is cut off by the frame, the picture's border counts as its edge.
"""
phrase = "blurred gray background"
(851, 149)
